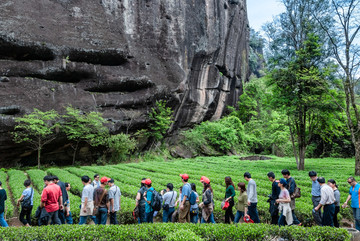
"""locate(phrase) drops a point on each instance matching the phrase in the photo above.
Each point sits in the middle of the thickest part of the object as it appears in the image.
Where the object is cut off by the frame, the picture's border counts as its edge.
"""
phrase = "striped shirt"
(327, 195)
(354, 192)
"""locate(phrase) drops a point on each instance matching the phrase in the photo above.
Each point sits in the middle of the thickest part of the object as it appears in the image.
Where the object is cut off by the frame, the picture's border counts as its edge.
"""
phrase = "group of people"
(99, 202)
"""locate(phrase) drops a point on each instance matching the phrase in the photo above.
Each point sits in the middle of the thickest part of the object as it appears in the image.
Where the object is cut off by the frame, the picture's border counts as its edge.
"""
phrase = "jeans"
(61, 216)
(25, 212)
(328, 215)
(356, 213)
(211, 219)
(253, 213)
(83, 219)
(194, 217)
(282, 220)
(3, 222)
(295, 220)
(113, 219)
(336, 222)
(69, 219)
(229, 213)
(317, 215)
(238, 216)
(101, 217)
(167, 215)
(142, 214)
(149, 217)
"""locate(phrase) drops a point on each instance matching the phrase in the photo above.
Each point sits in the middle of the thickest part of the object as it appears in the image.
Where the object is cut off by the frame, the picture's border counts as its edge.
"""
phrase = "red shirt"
(50, 196)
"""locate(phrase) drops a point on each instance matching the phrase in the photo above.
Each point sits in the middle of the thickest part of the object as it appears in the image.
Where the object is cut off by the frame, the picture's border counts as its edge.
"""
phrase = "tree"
(37, 129)
(120, 145)
(344, 36)
(87, 127)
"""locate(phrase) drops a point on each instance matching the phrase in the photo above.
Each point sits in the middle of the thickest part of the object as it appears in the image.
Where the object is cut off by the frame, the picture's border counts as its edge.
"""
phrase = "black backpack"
(156, 200)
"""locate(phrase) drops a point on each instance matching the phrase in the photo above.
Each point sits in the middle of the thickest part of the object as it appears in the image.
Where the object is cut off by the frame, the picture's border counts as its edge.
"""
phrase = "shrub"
(120, 145)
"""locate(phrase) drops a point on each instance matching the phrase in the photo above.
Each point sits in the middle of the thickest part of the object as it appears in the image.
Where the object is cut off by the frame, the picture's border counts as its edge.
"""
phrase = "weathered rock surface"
(118, 57)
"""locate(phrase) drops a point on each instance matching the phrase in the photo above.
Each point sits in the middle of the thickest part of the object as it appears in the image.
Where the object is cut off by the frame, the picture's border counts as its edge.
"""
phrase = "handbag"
(96, 209)
(225, 205)
(248, 220)
(296, 193)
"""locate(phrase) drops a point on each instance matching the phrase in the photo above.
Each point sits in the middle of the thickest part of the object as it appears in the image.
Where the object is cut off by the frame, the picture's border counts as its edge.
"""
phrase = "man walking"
(101, 201)
(3, 197)
(148, 197)
(327, 201)
(115, 201)
(184, 209)
(51, 199)
(252, 198)
(275, 191)
(355, 204)
(140, 202)
(68, 216)
(291, 185)
(64, 197)
(315, 196)
(87, 201)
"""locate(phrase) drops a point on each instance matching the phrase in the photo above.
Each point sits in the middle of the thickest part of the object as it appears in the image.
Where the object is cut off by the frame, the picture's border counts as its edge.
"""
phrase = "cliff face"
(118, 57)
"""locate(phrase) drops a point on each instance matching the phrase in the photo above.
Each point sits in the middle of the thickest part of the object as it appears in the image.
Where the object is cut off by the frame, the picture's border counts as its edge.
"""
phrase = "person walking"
(87, 201)
(355, 204)
(68, 216)
(291, 185)
(275, 192)
(252, 198)
(26, 201)
(207, 204)
(101, 202)
(284, 204)
(332, 184)
(148, 196)
(327, 201)
(242, 203)
(184, 209)
(64, 197)
(229, 197)
(194, 208)
(315, 193)
(140, 202)
(169, 199)
(96, 183)
(3, 198)
(115, 201)
(51, 200)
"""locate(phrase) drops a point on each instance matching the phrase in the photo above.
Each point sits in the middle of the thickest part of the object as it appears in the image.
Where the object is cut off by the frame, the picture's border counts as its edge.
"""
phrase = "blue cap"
(283, 181)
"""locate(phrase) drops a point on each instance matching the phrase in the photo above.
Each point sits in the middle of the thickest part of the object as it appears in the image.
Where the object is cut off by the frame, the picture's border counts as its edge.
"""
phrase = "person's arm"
(108, 201)
(61, 204)
(197, 199)
(138, 196)
(43, 198)
(85, 204)
(292, 187)
(251, 192)
(20, 199)
(119, 202)
(346, 202)
(182, 205)
(208, 197)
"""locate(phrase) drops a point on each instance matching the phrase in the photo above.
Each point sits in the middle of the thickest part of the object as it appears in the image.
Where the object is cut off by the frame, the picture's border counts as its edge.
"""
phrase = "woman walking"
(332, 184)
(26, 201)
(284, 204)
(229, 197)
(207, 204)
(242, 203)
(194, 209)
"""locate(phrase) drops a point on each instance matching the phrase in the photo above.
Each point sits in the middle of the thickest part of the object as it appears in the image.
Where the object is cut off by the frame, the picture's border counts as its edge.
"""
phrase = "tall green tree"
(344, 35)
(37, 129)
(88, 127)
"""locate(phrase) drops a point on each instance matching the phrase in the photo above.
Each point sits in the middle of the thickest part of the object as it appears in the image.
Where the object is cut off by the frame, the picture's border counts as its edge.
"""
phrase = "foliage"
(9, 207)
(167, 231)
(120, 145)
(160, 120)
(87, 127)
(37, 129)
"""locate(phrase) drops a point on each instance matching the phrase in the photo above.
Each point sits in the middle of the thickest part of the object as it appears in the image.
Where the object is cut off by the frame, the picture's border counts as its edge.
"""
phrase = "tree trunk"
(302, 151)
(75, 150)
(293, 144)
(38, 157)
(357, 158)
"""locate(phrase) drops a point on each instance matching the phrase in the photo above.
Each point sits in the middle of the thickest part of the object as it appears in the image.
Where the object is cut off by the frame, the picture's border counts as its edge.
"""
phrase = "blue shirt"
(27, 193)
(315, 189)
(186, 190)
(354, 192)
(149, 194)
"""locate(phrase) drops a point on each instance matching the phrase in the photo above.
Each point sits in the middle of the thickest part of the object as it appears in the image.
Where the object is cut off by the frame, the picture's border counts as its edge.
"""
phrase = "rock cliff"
(118, 57)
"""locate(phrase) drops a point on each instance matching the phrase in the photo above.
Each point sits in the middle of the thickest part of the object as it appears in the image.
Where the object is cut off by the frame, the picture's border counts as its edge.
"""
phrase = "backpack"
(26, 203)
(156, 200)
(192, 198)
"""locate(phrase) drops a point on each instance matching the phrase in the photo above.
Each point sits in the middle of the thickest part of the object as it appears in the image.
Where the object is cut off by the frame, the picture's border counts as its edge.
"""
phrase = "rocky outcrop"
(118, 57)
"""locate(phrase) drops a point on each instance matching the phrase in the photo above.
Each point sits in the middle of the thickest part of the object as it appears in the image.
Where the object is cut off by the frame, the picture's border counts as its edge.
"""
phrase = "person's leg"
(55, 218)
(94, 219)
(275, 219)
(187, 209)
(237, 217)
(69, 219)
(61, 216)
(212, 219)
(357, 218)
(292, 205)
(3, 222)
(202, 220)
(227, 215)
(254, 215)
(22, 215)
(103, 215)
(326, 216)
(336, 222)
(165, 216)
(170, 213)
(317, 215)
(28, 215)
(281, 221)
(82, 220)
(182, 215)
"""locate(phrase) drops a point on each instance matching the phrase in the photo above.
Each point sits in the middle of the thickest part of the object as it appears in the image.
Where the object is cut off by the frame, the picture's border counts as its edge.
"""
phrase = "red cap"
(184, 176)
(143, 181)
(205, 180)
(104, 179)
(147, 181)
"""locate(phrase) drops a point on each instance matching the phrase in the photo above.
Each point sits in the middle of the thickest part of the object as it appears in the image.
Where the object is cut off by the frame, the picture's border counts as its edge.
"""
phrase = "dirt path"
(14, 221)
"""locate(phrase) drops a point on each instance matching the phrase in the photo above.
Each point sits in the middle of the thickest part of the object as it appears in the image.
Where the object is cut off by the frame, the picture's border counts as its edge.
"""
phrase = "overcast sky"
(262, 11)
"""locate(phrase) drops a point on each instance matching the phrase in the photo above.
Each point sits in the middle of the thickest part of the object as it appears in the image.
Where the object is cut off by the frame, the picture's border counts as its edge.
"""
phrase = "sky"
(262, 11)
